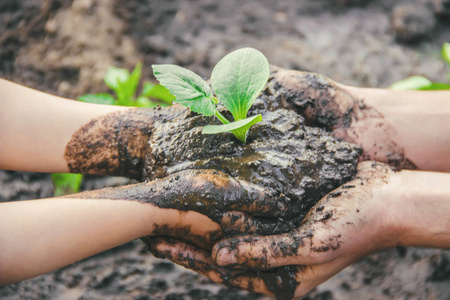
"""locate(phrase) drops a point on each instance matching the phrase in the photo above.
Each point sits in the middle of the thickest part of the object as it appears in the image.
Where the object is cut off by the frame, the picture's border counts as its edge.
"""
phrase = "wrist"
(418, 124)
(419, 214)
(384, 201)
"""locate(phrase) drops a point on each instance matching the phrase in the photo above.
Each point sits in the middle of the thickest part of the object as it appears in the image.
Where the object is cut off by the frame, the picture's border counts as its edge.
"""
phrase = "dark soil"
(64, 47)
(282, 154)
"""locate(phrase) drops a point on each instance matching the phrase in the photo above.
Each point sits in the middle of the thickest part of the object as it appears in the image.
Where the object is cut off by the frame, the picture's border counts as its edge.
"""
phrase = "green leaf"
(436, 86)
(446, 52)
(114, 76)
(189, 89)
(239, 78)
(411, 83)
(127, 89)
(133, 81)
(123, 83)
(65, 183)
(157, 91)
(147, 89)
(102, 98)
(143, 101)
(238, 128)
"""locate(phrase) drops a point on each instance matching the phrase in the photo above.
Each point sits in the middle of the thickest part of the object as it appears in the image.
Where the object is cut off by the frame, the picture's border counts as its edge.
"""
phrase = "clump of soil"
(282, 154)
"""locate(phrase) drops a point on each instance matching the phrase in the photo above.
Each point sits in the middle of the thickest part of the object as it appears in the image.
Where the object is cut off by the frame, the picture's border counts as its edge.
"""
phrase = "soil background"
(64, 47)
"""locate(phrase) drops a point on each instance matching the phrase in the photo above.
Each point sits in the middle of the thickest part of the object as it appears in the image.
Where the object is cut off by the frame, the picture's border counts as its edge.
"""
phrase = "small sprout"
(237, 80)
(125, 85)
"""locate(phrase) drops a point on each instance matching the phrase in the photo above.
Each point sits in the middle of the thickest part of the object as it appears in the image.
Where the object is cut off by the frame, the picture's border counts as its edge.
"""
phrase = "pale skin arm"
(421, 215)
(38, 236)
(421, 122)
(35, 127)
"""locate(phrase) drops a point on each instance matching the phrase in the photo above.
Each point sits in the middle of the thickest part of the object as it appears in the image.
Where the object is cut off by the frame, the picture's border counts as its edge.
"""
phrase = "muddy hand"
(282, 280)
(344, 226)
(114, 143)
(339, 109)
(196, 259)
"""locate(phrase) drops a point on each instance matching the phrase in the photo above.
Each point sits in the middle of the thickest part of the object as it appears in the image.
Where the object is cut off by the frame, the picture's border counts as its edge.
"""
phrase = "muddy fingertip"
(224, 254)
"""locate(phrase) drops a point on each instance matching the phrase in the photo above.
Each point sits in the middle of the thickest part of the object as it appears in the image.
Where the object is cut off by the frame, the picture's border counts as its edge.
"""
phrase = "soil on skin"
(65, 47)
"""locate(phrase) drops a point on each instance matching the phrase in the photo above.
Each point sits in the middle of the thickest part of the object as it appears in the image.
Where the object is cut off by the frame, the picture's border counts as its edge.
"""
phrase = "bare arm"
(39, 236)
(421, 120)
(420, 211)
(35, 127)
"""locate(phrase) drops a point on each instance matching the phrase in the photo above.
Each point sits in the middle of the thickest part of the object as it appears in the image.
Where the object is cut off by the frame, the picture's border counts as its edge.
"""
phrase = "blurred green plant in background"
(421, 83)
(124, 85)
(65, 183)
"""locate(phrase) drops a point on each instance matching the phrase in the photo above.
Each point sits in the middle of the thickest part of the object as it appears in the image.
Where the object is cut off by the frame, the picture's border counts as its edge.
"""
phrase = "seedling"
(236, 80)
(125, 86)
(422, 83)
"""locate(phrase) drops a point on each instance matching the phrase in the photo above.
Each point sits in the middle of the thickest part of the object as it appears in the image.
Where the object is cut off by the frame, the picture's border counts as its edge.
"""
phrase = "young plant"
(421, 83)
(237, 80)
(125, 86)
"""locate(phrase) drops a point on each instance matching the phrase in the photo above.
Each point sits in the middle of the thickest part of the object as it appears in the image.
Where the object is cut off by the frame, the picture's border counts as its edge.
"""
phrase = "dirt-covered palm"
(344, 226)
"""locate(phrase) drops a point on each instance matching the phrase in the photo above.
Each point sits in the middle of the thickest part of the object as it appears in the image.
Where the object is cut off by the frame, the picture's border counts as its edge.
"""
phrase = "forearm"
(40, 236)
(420, 209)
(421, 120)
(35, 127)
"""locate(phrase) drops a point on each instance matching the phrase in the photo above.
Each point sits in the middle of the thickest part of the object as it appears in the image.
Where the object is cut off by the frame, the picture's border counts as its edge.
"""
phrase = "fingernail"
(226, 256)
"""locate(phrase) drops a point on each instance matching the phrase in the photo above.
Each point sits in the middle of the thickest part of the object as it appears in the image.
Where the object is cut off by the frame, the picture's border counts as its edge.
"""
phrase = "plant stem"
(221, 118)
(241, 136)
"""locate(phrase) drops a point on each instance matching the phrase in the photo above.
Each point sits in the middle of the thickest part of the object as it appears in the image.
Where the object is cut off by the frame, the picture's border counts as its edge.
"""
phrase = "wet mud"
(294, 162)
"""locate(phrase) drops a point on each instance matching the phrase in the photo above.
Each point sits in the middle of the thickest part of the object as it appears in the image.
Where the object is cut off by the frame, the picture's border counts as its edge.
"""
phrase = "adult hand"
(347, 112)
(345, 225)
(377, 210)
(406, 129)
